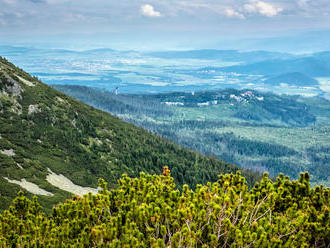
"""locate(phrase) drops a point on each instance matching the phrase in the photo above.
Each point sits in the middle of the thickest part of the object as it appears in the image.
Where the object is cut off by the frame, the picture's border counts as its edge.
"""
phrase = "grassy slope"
(80, 142)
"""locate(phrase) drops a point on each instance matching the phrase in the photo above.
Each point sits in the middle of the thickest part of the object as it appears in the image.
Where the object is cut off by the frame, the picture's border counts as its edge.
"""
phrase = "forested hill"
(258, 130)
(52, 145)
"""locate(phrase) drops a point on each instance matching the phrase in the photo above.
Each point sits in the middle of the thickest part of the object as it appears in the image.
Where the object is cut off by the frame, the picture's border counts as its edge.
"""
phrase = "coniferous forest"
(258, 130)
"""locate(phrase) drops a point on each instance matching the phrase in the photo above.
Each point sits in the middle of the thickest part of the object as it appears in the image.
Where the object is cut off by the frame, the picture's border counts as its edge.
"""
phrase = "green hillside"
(263, 131)
(53, 145)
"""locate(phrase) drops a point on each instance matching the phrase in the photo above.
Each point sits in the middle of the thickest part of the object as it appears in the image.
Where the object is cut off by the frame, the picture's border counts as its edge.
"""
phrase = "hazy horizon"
(297, 26)
(138, 26)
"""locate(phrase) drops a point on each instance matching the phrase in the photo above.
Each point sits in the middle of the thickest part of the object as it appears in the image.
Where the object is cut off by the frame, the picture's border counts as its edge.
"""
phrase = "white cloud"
(85, 16)
(261, 7)
(148, 10)
(234, 13)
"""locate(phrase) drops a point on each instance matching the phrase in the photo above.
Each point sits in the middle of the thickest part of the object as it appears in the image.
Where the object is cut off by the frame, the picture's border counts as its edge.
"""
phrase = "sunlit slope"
(44, 133)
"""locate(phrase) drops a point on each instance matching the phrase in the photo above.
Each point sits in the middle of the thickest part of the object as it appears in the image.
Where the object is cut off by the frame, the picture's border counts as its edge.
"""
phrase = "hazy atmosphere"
(167, 24)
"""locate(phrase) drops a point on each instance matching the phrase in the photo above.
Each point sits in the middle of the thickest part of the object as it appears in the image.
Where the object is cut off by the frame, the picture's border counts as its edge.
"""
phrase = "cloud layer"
(233, 13)
(69, 16)
(148, 10)
(262, 8)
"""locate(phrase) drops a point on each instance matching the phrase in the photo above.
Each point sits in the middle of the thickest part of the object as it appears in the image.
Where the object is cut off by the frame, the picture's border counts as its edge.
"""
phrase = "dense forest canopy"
(258, 130)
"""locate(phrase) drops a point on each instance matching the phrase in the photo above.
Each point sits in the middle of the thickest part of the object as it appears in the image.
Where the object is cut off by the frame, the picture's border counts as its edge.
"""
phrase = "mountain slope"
(293, 78)
(225, 55)
(246, 105)
(313, 66)
(45, 133)
(264, 131)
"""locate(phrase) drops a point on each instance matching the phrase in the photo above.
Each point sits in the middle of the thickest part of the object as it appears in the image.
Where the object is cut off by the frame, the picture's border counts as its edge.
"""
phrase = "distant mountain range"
(16, 50)
(303, 42)
(292, 78)
(225, 55)
(170, 71)
(315, 65)
(261, 62)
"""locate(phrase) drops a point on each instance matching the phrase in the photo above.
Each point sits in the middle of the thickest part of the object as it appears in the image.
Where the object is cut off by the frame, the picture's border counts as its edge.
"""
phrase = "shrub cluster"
(150, 211)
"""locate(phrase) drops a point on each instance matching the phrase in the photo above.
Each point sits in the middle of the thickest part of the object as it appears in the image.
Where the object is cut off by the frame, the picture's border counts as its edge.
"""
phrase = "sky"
(169, 23)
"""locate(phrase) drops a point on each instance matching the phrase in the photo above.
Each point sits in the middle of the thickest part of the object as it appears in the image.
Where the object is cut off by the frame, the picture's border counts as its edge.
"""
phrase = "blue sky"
(173, 21)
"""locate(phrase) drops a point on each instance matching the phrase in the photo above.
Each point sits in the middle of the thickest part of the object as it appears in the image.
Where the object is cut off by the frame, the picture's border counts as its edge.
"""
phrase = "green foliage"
(263, 131)
(82, 143)
(249, 147)
(150, 212)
